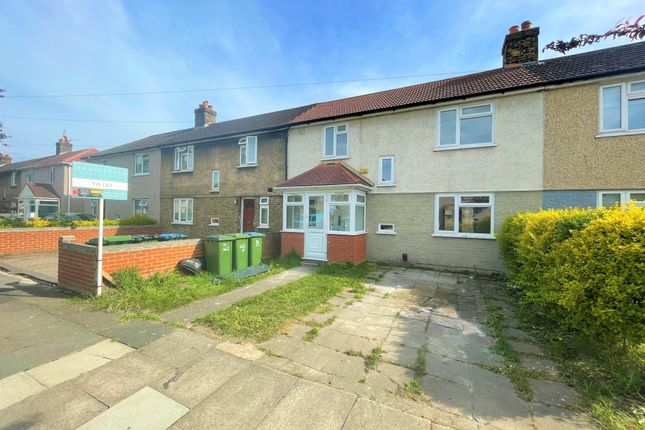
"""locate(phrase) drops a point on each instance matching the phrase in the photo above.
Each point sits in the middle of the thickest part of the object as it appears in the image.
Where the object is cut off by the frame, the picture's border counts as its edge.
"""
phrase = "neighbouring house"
(34, 188)
(216, 177)
(426, 174)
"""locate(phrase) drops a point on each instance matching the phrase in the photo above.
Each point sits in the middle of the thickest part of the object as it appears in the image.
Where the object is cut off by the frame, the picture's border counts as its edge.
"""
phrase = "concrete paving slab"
(242, 403)
(401, 337)
(447, 368)
(548, 417)
(137, 333)
(332, 339)
(525, 347)
(18, 387)
(282, 345)
(310, 406)
(359, 344)
(62, 407)
(447, 395)
(398, 374)
(371, 415)
(146, 409)
(247, 351)
(484, 381)
(179, 348)
(554, 393)
(501, 408)
(193, 385)
(372, 331)
(121, 378)
(314, 356)
(346, 366)
(540, 364)
(401, 355)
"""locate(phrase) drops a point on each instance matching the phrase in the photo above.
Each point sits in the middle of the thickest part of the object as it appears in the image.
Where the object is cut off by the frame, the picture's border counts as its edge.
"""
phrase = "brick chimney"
(520, 45)
(5, 159)
(63, 145)
(205, 115)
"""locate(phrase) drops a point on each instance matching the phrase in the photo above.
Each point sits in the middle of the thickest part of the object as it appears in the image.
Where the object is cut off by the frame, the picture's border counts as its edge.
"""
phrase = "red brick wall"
(76, 266)
(24, 240)
(345, 248)
(271, 245)
(292, 241)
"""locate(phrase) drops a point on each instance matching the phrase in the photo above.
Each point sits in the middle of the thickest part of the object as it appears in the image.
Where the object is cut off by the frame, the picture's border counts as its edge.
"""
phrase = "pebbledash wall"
(77, 262)
(36, 239)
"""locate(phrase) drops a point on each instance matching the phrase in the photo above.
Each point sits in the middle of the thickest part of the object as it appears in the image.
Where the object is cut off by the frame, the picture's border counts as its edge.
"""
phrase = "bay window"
(465, 127)
(295, 212)
(622, 107)
(339, 212)
(333, 212)
(464, 215)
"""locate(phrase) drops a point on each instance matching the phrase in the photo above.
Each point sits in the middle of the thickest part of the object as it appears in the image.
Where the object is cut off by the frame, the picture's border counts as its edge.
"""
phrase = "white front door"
(315, 228)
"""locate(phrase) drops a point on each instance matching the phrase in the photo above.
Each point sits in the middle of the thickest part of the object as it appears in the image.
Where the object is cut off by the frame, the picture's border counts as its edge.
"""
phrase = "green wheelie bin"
(218, 249)
(255, 251)
(240, 251)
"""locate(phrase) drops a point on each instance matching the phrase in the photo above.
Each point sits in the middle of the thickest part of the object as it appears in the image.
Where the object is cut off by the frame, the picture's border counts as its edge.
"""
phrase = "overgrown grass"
(315, 328)
(413, 387)
(610, 380)
(374, 357)
(262, 316)
(146, 298)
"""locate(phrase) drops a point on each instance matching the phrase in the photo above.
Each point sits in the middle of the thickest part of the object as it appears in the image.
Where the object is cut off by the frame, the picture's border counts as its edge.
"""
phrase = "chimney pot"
(513, 29)
(520, 47)
(205, 115)
(63, 145)
(526, 25)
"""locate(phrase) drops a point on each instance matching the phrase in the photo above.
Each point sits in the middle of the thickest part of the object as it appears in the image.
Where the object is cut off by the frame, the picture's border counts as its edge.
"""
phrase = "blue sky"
(80, 47)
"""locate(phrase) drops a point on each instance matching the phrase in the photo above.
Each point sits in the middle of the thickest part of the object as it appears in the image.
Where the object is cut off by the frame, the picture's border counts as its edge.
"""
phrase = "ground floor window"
(264, 212)
(141, 207)
(342, 212)
(464, 215)
(621, 198)
(33, 208)
(182, 211)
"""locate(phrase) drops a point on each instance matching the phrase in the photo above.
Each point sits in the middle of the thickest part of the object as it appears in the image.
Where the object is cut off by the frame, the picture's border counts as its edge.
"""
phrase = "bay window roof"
(328, 173)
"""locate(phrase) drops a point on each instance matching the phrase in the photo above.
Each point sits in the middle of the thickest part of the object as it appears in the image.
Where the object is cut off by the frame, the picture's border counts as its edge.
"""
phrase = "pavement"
(64, 366)
(38, 265)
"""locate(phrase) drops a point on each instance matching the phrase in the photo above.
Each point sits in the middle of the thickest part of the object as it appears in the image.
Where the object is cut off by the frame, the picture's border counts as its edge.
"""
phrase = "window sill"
(465, 236)
(342, 157)
(213, 225)
(602, 134)
(386, 184)
(291, 231)
(245, 166)
(459, 147)
(264, 227)
(141, 174)
(215, 191)
(387, 233)
(346, 233)
(181, 223)
(182, 171)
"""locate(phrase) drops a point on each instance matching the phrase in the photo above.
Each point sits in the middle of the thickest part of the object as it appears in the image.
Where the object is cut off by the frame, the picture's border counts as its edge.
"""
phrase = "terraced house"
(427, 173)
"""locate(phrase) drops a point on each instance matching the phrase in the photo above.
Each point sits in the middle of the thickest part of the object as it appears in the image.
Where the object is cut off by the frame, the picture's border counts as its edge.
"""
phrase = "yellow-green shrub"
(584, 268)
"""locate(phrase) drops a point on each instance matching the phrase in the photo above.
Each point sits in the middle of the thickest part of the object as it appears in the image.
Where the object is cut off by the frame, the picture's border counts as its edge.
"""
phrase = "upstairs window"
(184, 158)
(52, 174)
(29, 176)
(336, 142)
(248, 151)
(464, 215)
(142, 164)
(386, 170)
(622, 107)
(215, 180)
(14, 179)
(466, 127)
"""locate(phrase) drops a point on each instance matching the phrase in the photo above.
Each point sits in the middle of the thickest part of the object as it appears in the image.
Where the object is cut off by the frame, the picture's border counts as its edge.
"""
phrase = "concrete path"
(38, 265)
(192, 311)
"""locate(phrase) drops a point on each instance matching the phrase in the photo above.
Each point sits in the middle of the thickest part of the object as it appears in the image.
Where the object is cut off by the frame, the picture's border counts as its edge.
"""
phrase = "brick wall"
(77, 262)
(271, 245)
(346, 249)
(292, 241)
(24, 240)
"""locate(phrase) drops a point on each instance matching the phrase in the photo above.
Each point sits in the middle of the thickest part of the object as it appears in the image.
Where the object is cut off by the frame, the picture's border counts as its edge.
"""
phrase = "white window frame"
(264, 207)
(244, 144)
(286, 202)
(52, 174)
(14, 179)
(29, 173)
(625, 96)
(176, 211)
(381, 182)
(134, 205)
(335, 155)
(140, 157)
(625, 197)
(380, 230)
(459, 117)
(457, 199)
(213, 187)
(189, 152)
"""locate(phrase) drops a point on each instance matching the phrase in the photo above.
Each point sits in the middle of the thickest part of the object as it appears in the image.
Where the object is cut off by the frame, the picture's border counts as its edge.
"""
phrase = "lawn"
(147, 298)
(263, 316)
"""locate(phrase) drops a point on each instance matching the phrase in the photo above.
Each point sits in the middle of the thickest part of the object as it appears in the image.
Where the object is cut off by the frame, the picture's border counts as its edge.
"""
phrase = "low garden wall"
(77, 261)
(35, 239)
(341, 248)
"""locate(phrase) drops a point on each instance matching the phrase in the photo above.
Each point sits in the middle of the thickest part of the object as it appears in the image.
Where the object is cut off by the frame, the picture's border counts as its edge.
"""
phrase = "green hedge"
(16, 222)
(582, 268)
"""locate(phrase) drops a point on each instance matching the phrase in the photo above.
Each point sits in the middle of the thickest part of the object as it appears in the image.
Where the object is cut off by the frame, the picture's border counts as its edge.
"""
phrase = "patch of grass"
(261, 317)
(412, 387)
(353, 353)
(146, 298)
(374, 358)
(325, 308)
(289, 261)
(311, 334)
(512, 369)
(267, 351)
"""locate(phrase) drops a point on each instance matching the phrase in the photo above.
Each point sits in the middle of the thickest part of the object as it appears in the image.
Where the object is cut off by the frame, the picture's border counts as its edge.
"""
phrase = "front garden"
(17, 222)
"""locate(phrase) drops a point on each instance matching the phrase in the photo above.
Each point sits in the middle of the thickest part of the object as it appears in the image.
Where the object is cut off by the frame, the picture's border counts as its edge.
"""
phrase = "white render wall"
(515, 164)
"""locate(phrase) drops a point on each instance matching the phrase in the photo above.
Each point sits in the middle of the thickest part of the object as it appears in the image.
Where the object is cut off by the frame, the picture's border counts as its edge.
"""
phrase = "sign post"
(99, 182)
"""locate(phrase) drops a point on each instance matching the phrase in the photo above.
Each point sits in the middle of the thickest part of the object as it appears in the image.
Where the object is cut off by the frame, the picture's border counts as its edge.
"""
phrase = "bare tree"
(633, 31)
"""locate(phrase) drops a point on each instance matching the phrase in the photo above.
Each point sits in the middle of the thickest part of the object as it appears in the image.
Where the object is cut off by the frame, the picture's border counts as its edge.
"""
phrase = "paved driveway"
(39, 265)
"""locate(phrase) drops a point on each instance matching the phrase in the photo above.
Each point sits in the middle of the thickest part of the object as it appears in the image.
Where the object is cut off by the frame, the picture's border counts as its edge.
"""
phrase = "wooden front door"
(248, 215)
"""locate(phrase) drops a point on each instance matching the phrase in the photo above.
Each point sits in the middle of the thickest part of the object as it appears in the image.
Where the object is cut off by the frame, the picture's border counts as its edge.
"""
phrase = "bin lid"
(256, 234)
(219, 238)
(240, 236)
